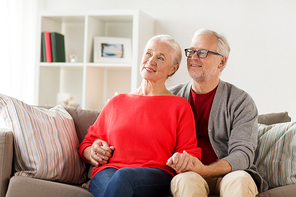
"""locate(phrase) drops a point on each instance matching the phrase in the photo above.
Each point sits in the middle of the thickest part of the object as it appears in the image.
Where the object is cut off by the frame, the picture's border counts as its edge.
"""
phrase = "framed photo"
(112, 49)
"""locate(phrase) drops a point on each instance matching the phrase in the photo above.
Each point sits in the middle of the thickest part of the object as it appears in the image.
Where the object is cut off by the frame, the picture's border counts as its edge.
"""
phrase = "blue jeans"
(125, 182)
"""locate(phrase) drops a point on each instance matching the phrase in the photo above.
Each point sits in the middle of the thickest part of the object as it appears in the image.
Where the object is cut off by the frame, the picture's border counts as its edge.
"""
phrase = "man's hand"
(99, 153)
(183, 162)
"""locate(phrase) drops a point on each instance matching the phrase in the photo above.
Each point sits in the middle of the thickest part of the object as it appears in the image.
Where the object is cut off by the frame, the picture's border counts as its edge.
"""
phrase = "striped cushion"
(45, 141)
(276, 153)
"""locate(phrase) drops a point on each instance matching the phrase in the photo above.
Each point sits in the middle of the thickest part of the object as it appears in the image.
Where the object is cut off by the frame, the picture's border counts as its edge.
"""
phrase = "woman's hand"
(99, 153)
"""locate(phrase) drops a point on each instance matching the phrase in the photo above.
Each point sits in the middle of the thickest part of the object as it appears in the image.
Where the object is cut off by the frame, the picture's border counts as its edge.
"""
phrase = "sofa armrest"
(6, 157)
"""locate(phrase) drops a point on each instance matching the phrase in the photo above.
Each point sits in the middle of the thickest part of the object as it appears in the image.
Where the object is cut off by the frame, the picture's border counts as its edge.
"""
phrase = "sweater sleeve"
(242, 140)
(186, 134)
(233, 126)
(97, 130)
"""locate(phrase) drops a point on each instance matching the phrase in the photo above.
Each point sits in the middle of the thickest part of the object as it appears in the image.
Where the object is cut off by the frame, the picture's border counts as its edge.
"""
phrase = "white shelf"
(58, 64)
(110, 65)
(91, 84)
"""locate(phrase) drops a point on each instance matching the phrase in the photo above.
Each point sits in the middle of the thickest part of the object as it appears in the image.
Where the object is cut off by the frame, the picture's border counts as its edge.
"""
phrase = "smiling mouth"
(150, 69)
(193, 65)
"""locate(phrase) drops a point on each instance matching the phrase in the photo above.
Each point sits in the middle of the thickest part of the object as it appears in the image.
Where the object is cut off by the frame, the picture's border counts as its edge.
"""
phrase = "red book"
(48, 46)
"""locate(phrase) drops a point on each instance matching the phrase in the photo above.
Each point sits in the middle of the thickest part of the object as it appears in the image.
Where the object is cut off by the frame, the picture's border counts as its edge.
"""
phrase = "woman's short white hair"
(173, 44)
(223, 47)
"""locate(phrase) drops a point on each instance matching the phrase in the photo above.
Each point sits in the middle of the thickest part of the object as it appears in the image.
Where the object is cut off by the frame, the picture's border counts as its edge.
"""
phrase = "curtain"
(18, 19)
(18, 48)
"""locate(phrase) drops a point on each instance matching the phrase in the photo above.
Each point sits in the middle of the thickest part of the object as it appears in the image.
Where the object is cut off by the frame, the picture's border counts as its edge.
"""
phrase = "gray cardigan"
(233, 127)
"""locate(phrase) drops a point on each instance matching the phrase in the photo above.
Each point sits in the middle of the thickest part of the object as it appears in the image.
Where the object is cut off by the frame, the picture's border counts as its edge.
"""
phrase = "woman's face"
(157, 62)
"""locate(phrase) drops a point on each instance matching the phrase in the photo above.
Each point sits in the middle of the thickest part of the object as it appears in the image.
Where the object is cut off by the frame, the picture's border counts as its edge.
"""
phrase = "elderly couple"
(195, 139)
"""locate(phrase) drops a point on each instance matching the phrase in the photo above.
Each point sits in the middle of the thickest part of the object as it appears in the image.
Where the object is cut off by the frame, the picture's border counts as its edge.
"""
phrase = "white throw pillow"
(45, 142)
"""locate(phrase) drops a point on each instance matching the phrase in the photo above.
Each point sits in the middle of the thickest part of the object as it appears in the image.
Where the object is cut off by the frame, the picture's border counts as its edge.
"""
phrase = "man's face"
(209, 68)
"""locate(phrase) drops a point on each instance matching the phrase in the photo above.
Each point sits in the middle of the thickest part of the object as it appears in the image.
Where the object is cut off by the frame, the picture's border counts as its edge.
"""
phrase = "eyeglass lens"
(200, 53)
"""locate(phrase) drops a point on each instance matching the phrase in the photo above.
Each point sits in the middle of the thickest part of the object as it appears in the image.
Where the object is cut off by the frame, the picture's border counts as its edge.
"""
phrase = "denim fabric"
(125, 182)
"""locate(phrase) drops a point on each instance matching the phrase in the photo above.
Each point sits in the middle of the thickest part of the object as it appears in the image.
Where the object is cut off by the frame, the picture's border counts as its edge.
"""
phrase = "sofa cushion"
(275, 154)
(45, 141)
(274, 118)
(284, 191)
(24, 186)
(83, 119)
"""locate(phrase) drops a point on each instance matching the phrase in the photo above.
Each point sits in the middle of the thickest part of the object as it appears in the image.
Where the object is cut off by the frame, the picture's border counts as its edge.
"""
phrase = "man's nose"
(194, 56)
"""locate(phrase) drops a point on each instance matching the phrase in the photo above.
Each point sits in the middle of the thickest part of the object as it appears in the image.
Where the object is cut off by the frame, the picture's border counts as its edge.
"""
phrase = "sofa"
(13, 184)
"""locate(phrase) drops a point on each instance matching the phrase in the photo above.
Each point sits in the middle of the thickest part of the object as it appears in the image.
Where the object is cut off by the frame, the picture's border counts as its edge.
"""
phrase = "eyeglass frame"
(196, 51)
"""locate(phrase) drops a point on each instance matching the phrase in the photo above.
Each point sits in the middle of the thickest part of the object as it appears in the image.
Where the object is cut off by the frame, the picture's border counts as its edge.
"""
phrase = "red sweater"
(145, 131)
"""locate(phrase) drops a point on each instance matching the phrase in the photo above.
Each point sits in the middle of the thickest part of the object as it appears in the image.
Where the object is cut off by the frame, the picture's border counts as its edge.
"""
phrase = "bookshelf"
(88, 82)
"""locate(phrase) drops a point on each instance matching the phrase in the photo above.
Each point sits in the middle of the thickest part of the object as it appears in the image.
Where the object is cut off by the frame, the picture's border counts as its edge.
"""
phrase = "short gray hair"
(223, 47)
(173, 44)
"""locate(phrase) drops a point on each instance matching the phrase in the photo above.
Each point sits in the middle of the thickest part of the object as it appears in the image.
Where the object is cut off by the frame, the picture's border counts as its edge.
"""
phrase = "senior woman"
(143, 129)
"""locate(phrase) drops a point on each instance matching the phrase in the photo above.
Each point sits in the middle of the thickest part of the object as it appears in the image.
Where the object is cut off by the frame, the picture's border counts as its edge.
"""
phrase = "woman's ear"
(174, 69)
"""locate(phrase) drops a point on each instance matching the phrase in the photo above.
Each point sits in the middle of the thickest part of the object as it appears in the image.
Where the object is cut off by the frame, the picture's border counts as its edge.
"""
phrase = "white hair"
(173, 44)
(223, 47)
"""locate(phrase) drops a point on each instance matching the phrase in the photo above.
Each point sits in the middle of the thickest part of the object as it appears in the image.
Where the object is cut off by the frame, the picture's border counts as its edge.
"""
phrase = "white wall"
(262, 36)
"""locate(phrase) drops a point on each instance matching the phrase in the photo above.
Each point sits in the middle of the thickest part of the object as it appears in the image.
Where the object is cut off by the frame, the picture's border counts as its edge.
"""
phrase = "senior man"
(226, 127)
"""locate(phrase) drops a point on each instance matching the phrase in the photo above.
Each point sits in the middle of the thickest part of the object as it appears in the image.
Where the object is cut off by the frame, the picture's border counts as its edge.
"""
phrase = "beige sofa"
(15, 186)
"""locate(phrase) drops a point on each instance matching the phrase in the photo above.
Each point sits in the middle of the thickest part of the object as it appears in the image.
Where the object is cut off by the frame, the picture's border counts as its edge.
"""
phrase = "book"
(43, 50)
(48, 46)
(57, 47)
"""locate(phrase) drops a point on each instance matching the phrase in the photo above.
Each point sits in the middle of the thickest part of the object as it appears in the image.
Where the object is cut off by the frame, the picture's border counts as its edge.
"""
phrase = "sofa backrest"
(83, 119)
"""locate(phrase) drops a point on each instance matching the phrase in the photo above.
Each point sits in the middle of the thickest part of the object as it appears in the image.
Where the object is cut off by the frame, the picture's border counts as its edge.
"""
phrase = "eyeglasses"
(202, 53)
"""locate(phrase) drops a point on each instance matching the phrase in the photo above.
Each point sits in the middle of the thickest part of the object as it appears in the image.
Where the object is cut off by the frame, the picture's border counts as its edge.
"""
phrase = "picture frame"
(112, 49)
